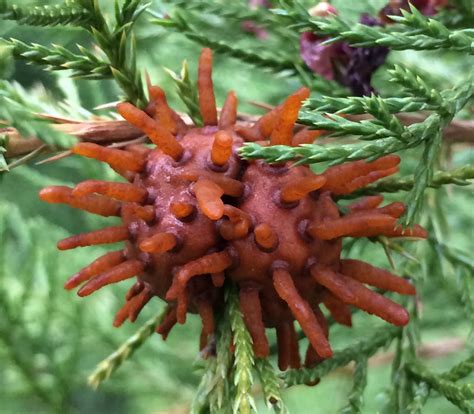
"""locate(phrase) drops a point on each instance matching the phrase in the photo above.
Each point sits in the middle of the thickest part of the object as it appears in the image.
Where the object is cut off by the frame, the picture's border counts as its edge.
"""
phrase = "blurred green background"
(50, 339)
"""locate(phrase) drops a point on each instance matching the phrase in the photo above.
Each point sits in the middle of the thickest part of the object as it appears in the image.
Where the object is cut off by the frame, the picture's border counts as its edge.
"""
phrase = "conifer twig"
(270, 385)
(414, 31)
(109, 365)
(367, 347)
(458, 394)
(243, 358)
(459, 176)
(360, 382)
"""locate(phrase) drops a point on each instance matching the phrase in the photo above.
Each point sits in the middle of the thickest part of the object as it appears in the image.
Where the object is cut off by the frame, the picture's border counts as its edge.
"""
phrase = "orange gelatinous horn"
(416, 232)
(206, 313)
(119, 191)
(339, 310)
(133, 307)
(374, 276)
(139, 303)
(395, 209)
(238, 224)
(339, 177)
(252, 313)
(169, 321)
(263, 128)
(356, 294)
(302, 311)
(218, 279)
(360, 182)
(365, 203)
(211, 263)
(288, 354)
(102, 236)
(103, 263)
(312, 359)
(207, 100)
(305, 136)
(231, 187)
(133, 211)
(208, 195)
(181, 210)
(91, 203)
(123, 271)
(265, 237)
(162, 112)
(354, 225)
(229, 111)
(159, 243)
(221, 148)
(136, 288)
(301, 187)
(159, 135)
(116, 158)
(282, 134)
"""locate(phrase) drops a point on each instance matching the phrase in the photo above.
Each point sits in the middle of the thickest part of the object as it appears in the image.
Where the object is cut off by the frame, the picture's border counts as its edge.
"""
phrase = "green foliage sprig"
(68, 13)
(243, 359)
(414, 30)
(109, 365)
(367, 347)
(116, 42)
(458, 394)
(459, 176)
(187, 91)
(55, 57)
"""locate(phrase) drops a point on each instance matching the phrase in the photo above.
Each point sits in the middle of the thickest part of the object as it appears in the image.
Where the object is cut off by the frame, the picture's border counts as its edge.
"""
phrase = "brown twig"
(115, 131)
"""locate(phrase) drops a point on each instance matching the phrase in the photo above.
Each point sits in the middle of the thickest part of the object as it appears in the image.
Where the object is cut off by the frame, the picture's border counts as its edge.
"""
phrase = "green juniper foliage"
(66, 62)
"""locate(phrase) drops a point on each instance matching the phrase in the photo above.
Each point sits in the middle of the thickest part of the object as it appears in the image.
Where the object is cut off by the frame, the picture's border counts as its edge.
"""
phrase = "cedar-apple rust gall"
(194, 214)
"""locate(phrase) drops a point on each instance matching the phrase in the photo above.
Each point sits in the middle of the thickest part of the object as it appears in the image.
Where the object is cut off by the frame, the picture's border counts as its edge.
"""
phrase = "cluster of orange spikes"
(194, 214)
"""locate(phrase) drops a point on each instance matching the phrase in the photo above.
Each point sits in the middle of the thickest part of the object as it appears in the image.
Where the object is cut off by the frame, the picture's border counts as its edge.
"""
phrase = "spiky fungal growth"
(195, 214)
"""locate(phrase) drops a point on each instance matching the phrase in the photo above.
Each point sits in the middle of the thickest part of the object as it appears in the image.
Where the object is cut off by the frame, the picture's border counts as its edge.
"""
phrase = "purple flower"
(352, 67)
(320, 58)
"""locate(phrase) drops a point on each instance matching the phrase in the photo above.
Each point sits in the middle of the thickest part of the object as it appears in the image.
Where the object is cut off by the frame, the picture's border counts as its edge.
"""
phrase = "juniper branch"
(461, 370)
(415, 86)
(312, 154)
(219, 396)
(420, 395)
(357, 105)
(109, 365)
(55, 57)
(414, 31)
(213, 391)
(118, 43)
(243, 359)
(456, 394)
(68, 13)
(367, 347)
(459, 176)
(187, 91)
(270, 385)
(360, 382)
(423, 175)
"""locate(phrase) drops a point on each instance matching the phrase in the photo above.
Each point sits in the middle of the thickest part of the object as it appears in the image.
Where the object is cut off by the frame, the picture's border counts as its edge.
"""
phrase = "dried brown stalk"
(114, 131)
